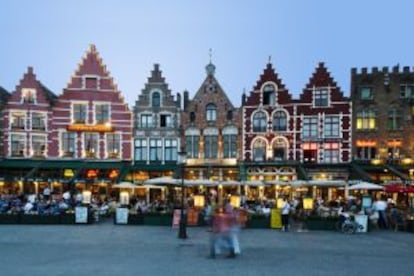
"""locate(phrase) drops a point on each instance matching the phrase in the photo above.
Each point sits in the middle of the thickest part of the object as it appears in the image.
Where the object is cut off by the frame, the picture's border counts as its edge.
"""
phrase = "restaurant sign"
(90, 128)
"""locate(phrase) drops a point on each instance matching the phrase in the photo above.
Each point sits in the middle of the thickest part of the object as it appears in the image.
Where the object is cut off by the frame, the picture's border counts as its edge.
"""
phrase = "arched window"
(269, 94)
(259, 122)
(279, 121)
(279, 149)
(259, 150)
(211, 112)
(156, 99)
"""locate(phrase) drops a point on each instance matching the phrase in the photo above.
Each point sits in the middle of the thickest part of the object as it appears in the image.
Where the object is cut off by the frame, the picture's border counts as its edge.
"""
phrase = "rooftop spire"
(210, 68)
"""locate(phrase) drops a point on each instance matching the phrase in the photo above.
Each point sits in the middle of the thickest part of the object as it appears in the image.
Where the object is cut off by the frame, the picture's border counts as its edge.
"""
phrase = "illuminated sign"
(366, 143)
(394, 143)
(90, 128)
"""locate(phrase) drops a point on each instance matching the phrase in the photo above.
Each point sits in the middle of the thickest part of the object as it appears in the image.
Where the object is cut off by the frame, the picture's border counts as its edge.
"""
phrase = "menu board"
(121, 216)
(176, 218)
(81, 214)
(276, 218)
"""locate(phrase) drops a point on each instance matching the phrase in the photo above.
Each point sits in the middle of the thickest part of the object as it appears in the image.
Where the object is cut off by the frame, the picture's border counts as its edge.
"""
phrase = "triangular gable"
(269, 74)
(91, 67)
(211, 81)
(28, 84)
(322, 78)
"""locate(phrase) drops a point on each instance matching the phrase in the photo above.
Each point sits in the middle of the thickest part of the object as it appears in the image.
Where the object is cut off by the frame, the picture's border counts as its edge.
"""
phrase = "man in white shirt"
(285, 214)
(381, 206)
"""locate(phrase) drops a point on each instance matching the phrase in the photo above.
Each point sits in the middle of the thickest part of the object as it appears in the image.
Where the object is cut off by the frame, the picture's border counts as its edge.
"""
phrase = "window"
(113, 145)
(68, 144)
(279, 149)
(101, 113)
(18, 120)
(310, 152)
(407, 91)
(28, 95)
(38, 121)
(394, 119)
(211, 112)
(191, 146)
(91, 145)
(310, 127)
(230, 146)
(155, 149)
(79, 113)
(166, 120)
(366, 152)
(366, 93)
(259, 150)
(210, 146)
(331, 126)
(39, 145)
(17, 145)
(259, 122)
(279, 121)
(269, 94)
(320, 97)
(170, 149)
(366, 119)
(331, 153)
(156, 99)
(146, 121)
(192, 116)
(141, 149)
(91, 82)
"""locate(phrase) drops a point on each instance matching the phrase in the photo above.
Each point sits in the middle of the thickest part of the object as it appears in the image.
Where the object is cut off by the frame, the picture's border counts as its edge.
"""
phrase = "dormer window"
(320, 97)
(91, 83)
(28, 96)
(269, 94)
(18, 120)
(211, 112)
(156, 99)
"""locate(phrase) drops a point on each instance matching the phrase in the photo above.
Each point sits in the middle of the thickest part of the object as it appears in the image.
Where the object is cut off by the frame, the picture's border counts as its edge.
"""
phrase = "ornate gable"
(156, 82)
(210, 91)
(92, 73)
(321, 78)
(31, 91)
(269, 75)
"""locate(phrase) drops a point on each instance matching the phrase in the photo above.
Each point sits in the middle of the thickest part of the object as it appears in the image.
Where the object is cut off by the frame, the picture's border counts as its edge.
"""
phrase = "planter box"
(258, 222)
(38, 219)
(67, 218)
(9, 219)
(158, 219)
(135, 220)
(410, 226)
(320, 224)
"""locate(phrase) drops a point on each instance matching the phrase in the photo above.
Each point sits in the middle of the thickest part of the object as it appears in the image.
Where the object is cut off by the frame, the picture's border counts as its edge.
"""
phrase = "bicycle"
(347, 225)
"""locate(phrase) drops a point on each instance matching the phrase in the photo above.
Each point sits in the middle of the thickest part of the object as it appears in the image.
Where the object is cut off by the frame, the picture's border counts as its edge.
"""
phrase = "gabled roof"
(211, 80)
(269, 74)
(92, 65)
(322, 78)
(29, 81)
(4, 95)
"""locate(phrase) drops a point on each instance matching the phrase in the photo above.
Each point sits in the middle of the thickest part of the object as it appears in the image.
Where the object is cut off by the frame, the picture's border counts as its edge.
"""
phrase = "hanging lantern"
(124, 198)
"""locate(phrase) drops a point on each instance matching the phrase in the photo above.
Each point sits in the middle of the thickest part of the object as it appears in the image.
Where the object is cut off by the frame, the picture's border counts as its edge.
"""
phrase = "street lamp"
(182, 231)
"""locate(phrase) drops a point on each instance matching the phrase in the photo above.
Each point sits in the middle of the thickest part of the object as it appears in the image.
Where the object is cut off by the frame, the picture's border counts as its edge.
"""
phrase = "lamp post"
(182, 231)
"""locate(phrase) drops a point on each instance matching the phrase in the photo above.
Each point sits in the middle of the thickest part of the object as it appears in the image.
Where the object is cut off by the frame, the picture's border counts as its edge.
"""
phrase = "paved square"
(107, 249)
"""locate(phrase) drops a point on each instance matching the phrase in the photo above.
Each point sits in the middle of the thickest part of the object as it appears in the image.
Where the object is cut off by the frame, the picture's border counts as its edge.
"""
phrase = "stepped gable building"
(156, 129)
(4, 96)
(287, 139)
(27, 122)
(383, 118)
(211, 126)
(269, 131)
(92, 122)
(323, 128)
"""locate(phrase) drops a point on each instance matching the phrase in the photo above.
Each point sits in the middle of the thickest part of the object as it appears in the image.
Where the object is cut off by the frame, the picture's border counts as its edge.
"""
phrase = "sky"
(53, 36)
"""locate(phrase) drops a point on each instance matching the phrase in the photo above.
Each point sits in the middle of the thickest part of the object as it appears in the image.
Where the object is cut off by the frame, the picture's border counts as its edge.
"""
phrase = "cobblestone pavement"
(107, 249)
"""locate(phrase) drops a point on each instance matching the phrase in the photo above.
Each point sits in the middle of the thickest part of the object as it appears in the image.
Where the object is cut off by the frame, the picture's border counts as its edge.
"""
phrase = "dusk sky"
(52, 36)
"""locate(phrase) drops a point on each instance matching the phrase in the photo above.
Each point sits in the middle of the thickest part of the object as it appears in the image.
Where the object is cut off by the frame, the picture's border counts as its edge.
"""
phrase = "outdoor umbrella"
(166, 180)
(125, 185)
(365, 186)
